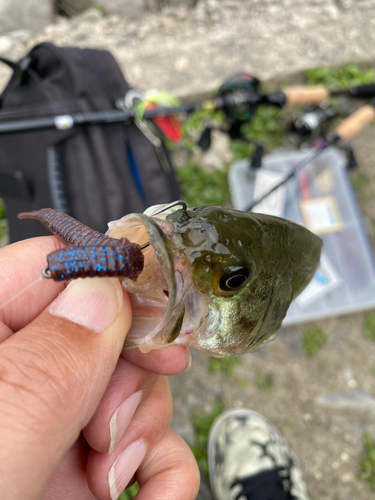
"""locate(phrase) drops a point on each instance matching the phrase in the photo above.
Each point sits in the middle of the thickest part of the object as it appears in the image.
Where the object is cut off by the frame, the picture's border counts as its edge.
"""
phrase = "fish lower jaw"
(148, 318)
(155, 325)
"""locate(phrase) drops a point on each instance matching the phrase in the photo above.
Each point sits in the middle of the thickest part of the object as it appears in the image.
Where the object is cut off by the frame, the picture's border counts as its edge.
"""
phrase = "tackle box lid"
(320, 198)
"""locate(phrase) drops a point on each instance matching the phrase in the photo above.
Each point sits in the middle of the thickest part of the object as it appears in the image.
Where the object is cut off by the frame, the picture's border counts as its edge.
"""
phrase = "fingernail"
(124, 468)
(122, 417)
(188, 360)
(91, 302)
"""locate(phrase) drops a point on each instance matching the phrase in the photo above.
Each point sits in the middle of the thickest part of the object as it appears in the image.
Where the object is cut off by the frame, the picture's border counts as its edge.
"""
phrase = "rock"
(18, 14)
(190, 401)
(20, 35)
(348, 374)
(6, 44)
(347, 477)
(356, 399)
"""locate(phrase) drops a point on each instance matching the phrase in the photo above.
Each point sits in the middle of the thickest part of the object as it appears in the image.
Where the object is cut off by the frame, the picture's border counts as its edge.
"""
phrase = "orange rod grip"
(356, 122)
(306, 95)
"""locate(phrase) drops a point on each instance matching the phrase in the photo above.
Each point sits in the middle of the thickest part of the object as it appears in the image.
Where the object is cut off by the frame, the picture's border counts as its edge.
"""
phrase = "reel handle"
(306, 95)
(356, 122)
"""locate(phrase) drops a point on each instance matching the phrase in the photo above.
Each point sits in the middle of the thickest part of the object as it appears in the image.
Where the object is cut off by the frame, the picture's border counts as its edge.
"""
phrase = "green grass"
(3, 221)
(99, 9)
(129, 493)
(2, 208)
(202, 424)
(359, 181)
(338, 78)
(313, 339)
(224, 365)
(241, 150)
(264, 381)
(369, 330)
(267, 126)
(367, 466)
(198, 120)
(202, 188)
(286, 423)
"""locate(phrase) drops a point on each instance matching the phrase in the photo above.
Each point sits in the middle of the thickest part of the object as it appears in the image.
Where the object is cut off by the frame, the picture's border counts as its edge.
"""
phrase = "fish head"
(216, 279)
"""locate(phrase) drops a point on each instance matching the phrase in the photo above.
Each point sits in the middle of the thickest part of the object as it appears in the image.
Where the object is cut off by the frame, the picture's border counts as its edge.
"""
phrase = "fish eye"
(234, 277)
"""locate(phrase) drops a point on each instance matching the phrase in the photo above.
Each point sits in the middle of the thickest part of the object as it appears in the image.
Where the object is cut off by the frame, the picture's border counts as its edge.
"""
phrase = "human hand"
(66, 399)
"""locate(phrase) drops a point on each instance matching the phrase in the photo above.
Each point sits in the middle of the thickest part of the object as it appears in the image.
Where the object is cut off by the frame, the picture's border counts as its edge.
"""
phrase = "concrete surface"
(188, 51)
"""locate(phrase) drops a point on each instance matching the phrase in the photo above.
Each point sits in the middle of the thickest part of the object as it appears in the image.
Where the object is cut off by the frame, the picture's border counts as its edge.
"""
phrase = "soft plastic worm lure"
(89, 253)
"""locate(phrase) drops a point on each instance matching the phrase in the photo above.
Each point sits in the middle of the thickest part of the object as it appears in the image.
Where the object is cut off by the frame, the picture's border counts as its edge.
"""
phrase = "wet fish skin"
(281, 257)
(215, 279)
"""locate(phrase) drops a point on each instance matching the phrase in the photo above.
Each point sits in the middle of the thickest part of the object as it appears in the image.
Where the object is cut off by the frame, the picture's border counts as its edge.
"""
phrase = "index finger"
(23, 293)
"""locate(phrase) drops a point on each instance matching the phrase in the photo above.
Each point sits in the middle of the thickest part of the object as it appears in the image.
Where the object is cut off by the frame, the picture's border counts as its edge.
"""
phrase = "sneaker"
(250, 460)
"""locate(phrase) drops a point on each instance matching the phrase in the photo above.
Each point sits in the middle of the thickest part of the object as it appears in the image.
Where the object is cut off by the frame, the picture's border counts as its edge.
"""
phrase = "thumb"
(53, 374)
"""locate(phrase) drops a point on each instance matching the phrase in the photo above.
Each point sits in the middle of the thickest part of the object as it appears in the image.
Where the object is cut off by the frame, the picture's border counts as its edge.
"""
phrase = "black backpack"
(96, 173)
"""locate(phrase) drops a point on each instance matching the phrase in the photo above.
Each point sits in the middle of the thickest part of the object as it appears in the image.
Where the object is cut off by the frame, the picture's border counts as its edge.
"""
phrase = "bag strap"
(19, 68)
(13, 65)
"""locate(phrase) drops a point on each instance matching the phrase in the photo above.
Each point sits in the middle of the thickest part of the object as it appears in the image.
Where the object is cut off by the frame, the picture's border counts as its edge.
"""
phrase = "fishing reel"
(241, 83)
(311, 124)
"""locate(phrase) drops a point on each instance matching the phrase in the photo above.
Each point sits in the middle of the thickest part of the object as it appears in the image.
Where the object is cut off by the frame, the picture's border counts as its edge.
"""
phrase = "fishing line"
(21, 292)
(302, 165)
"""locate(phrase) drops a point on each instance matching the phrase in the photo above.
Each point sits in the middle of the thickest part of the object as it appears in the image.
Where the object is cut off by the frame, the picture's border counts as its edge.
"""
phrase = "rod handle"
(363, 91)
(356, 122)
(306, 95)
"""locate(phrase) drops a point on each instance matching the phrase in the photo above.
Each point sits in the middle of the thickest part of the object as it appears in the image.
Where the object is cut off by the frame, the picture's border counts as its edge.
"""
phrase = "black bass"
(212, 278)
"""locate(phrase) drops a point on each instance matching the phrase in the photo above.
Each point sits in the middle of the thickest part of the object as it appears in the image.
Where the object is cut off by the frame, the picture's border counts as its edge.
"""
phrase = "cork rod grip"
(356, 122)
(306, 95)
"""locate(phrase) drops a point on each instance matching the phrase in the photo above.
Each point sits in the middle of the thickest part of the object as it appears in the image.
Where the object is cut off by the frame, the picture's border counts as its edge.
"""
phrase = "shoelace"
(267, 485)
(272, 484)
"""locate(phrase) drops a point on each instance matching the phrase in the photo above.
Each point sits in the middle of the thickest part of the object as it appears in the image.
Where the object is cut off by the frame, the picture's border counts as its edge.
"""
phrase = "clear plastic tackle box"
(321, 198)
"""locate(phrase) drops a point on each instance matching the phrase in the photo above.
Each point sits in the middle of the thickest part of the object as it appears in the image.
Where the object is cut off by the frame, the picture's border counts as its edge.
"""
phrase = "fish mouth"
(157, 297)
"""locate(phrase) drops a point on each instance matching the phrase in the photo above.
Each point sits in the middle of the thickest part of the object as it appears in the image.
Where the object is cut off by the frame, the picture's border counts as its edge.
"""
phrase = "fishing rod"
(229, 101)
(346, 130)
(311, 123)
(69, 121)
(237, 99)
(319, 93)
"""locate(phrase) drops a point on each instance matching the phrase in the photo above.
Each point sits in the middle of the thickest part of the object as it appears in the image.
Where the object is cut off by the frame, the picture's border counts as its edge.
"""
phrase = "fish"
(212, 278)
